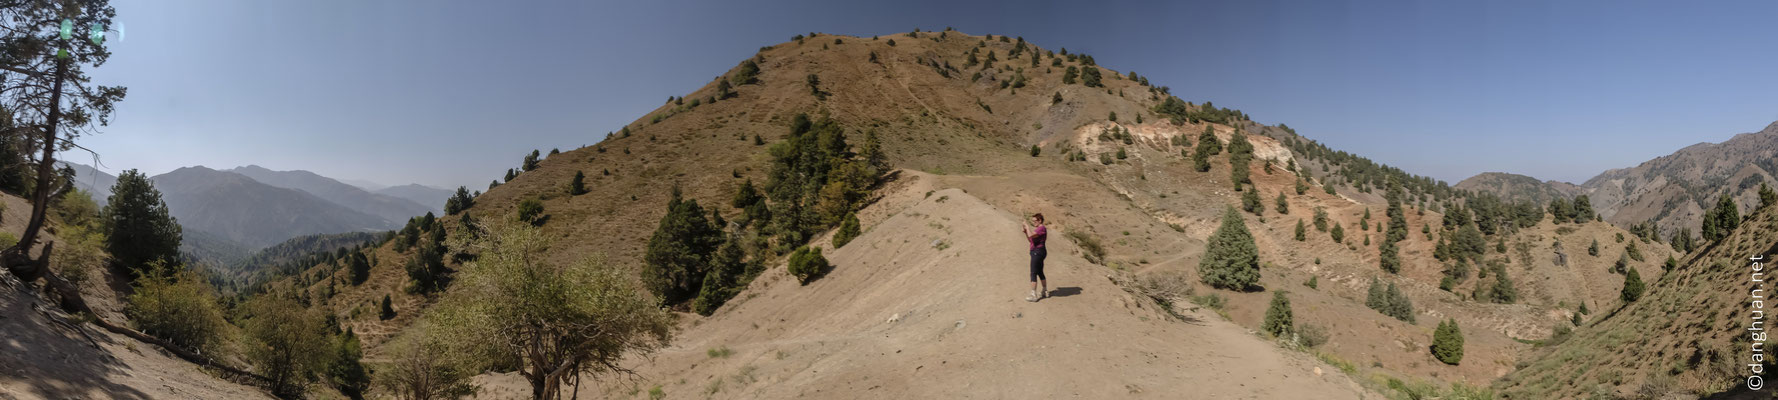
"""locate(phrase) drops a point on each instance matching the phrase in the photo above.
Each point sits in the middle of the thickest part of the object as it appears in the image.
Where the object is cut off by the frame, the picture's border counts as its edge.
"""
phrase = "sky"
(448, 93)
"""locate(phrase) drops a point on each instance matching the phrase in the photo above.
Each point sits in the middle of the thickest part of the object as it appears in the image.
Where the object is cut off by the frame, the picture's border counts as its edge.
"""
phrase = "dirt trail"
(929, 303)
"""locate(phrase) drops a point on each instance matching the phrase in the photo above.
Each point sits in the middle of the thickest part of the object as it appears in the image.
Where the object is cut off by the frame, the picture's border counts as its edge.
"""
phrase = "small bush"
(1311, 335)
(849, 230)
(807, 263)
(180, 308)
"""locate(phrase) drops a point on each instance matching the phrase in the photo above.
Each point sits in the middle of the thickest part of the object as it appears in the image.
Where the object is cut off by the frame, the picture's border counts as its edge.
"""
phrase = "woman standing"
(1036, 236)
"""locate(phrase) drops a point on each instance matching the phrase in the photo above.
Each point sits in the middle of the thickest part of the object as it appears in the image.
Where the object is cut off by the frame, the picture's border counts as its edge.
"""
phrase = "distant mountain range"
(229, 214)
(1671, 190)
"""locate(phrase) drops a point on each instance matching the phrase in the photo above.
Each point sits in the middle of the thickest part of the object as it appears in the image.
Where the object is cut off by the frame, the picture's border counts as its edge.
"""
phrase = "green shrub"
(1632, 286)
(1447, 342)
(1311, 336)
(1389, 301)
(807, 264)
(530, 210)
(180, 308)
(286, 343)
(1035, 151)
(849, 230)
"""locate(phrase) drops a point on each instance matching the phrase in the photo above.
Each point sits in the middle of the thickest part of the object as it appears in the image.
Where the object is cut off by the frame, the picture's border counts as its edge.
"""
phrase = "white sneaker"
(1033, 297)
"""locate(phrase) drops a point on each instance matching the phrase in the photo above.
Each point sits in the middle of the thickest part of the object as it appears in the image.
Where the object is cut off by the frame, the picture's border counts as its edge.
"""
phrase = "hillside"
(1518, 187)
(1688, 335)
(93, 181)
(253, 214)
(1675, 189)
(392, 209)
(1110, 164)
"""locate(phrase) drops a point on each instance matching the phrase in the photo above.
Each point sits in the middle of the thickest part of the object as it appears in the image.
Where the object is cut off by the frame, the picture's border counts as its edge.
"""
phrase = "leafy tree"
(180, 308)
(421, 367)
(388, 310)
(141, 231)
(346, 371)
(1300, 233)
(286, 343)
(1231, 259)
(1447, 342)
(1278, 316)
(849, 230)
(1632, 286)
(1283, 205)
(675, 262)
(807, 263)
(459, 201)
(552, 321)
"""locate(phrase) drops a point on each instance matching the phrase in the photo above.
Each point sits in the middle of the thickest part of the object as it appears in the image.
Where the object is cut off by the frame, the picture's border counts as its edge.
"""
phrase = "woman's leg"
(1037, 269)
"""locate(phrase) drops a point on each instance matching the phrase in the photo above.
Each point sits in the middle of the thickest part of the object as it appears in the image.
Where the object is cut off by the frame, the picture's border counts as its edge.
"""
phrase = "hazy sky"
(451, 93)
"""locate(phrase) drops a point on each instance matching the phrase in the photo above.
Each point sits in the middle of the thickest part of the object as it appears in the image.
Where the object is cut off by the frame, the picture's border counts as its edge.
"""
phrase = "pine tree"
(388, 310)
(1722, 219)
(577, 186)
(459, 201)
(675, 260)
(1300, 232)
(1399, 306)
(1231, 259)
(1278, 317)
(141, 231)
(1632, 286)
(1502, 291)
(1320, 219)
(1250, 202)
(1447, 342)
(1593, 249)
(1767, 197)
(531, 160)
(1338, 233)
(359, 267)
(1282, 203)
(1389, 257)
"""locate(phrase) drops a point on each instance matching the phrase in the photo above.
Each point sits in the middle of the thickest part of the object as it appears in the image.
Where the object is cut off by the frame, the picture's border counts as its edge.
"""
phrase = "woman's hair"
(1038, 216)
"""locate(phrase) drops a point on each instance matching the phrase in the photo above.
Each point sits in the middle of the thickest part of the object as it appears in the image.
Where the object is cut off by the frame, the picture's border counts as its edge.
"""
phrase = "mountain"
(422, 194)
(243, 210)
(1518, 187)
(393, 210)
(93, 181)
(1673, 190)
(364, 184)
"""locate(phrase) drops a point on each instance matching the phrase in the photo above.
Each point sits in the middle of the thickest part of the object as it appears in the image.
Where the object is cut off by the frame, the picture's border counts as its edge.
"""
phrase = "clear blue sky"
(452, 93)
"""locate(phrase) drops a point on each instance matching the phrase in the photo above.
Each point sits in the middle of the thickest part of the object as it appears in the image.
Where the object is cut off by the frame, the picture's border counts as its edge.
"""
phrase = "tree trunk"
(16, 258)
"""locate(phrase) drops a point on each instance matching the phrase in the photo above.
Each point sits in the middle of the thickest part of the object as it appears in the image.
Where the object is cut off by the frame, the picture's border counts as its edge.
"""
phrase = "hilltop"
(1518, 187)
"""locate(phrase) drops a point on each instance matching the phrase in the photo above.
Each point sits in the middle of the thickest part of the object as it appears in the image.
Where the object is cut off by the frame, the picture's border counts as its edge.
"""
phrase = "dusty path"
(929, 303)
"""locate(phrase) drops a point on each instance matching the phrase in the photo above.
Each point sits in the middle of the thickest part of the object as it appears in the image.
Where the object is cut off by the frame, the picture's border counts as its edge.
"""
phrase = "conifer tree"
(388, 310)
(141, 231)
(577, 186)
(1300, 233)
(1283, 205)
(1231, 259)
(1632, 286)
(1279, 322)
(1447, 342)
